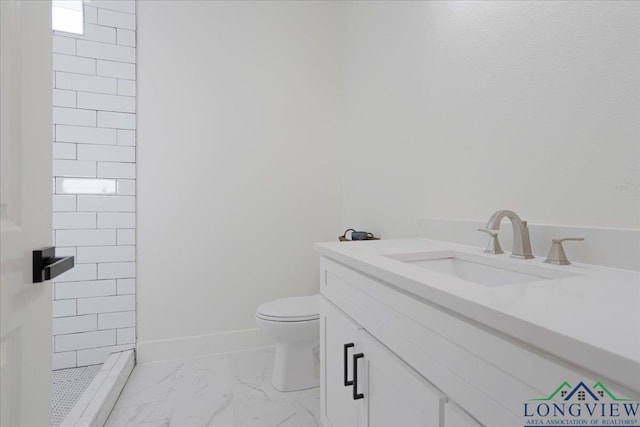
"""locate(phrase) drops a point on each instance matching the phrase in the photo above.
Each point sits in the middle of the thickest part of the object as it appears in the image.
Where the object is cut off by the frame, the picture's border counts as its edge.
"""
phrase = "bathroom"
(201, 152)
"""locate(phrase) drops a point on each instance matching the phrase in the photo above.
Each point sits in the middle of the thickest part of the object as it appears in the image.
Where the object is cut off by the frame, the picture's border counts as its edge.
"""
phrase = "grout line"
(99, 312)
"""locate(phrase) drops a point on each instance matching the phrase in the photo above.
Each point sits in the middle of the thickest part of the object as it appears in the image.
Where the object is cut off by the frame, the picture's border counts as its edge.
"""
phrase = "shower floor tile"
(221, 390)
(67, 387)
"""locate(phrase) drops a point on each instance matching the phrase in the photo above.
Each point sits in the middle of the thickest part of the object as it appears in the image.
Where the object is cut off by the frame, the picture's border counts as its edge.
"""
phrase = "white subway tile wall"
(85, 135)
(126, 187)
(94, 168)
(74, 64)
(85, 83)
(74, 168)
(63, 150)
(116, 170)
(91, 14)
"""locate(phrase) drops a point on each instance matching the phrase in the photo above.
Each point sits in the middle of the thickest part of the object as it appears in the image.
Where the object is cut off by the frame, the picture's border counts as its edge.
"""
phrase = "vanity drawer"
(455, 416)
(433, 339)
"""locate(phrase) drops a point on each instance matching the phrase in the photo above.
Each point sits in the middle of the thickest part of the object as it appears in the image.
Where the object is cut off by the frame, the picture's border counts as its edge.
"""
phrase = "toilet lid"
(294, 309)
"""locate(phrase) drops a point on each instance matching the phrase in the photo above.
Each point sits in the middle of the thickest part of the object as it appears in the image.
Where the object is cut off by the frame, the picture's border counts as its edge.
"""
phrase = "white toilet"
(294, 324)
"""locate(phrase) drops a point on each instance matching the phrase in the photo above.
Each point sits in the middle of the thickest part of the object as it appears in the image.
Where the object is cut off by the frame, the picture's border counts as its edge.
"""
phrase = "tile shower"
(94, 187)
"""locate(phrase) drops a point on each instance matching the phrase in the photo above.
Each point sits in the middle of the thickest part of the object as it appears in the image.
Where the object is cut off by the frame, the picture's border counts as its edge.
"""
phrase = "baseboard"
(201, 345)
(609, 247)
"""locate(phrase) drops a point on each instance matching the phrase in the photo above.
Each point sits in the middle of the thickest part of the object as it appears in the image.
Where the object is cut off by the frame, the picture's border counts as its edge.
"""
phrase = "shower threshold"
(68, 386)
(85, 396)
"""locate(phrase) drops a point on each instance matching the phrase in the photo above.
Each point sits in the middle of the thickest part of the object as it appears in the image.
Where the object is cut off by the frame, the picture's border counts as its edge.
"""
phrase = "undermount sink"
(480, 269)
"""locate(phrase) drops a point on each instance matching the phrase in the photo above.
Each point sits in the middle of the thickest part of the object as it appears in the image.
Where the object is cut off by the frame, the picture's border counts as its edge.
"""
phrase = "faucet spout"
(521, 241)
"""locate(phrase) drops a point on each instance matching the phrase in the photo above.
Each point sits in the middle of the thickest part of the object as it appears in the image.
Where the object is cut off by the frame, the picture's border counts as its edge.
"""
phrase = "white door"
(393, 394)
(25, 211)
(338, 343)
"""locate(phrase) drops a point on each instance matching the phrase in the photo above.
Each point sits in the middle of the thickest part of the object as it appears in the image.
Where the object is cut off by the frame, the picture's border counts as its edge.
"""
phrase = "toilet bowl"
(294, 324)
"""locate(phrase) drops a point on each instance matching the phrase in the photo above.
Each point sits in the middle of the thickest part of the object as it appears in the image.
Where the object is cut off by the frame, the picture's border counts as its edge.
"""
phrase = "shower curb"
(95, 404)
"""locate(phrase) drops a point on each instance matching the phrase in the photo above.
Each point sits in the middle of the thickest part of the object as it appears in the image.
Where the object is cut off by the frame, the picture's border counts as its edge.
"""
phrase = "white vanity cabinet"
(454, 416)
(393, 393)
(365, 384)
(338, 335)
(422, 364)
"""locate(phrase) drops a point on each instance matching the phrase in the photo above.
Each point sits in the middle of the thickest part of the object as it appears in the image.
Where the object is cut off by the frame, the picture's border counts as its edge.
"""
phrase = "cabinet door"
(336, 400)
(454, 416)
(394, 394)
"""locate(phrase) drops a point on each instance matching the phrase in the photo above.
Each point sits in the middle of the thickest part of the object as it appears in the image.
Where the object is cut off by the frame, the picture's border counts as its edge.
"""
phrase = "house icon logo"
(581, 404)
(582, 393)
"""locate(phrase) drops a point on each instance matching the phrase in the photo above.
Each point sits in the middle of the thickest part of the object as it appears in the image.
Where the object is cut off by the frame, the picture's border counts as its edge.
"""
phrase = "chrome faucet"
(521, 242)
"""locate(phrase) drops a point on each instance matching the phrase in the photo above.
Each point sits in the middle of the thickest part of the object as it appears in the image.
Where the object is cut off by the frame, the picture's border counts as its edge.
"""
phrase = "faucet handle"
(556, 253)
(577, 239)
(493, 247)
(489, 232)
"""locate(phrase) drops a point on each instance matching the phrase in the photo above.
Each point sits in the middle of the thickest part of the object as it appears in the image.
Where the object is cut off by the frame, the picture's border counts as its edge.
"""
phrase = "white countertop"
(591, 319)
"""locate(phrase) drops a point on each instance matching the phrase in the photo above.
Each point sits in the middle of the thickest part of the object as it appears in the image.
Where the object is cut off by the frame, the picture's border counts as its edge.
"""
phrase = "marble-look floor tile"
(222, 390)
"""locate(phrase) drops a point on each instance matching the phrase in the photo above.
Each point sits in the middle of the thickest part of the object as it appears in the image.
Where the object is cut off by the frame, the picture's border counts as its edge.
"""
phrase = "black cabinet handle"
(46, 266)
(347, 383)
(356, 395)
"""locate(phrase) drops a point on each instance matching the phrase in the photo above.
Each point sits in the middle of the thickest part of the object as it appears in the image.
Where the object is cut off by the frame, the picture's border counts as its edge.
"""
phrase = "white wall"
(94, 185)
(459, 109)
(239, 169)
(252, 113)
